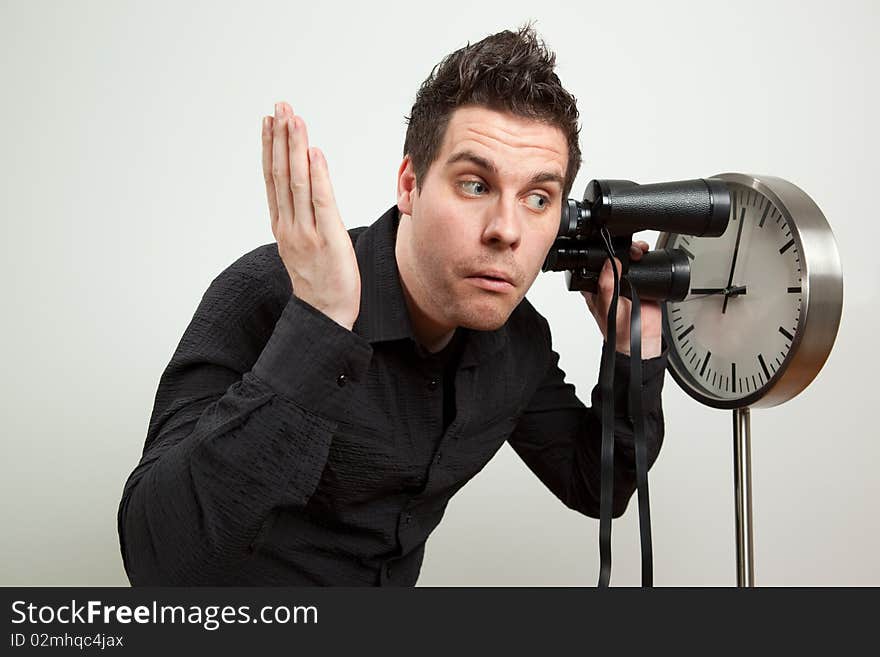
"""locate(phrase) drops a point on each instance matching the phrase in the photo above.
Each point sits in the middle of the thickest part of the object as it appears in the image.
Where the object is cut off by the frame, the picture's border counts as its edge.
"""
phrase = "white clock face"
(734, 330)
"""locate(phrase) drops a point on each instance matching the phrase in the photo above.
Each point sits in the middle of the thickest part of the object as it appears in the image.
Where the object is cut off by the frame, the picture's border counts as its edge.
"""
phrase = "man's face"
(489, 206)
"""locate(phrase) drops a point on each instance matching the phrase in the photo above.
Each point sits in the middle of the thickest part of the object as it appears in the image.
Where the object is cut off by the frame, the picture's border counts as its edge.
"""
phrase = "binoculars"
(613, 210)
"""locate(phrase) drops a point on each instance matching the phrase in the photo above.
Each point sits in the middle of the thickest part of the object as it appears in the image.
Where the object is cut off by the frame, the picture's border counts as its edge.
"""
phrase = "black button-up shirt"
(284, 449)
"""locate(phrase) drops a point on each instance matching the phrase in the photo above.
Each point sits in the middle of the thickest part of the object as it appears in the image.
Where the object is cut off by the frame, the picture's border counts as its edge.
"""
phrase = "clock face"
(731, 336)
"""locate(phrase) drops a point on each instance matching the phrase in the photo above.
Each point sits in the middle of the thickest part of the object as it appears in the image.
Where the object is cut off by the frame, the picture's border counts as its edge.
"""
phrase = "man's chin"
(485, 319)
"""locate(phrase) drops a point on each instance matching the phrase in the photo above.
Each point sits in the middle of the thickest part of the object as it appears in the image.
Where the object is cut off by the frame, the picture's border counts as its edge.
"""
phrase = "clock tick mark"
(764, 366)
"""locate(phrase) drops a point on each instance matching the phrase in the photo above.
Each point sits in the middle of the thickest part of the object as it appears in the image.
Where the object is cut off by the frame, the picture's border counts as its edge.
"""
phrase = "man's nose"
(503, 227)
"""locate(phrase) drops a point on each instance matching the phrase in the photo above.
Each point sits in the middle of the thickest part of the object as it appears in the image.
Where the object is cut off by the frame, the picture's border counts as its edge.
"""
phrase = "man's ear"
(406, 186)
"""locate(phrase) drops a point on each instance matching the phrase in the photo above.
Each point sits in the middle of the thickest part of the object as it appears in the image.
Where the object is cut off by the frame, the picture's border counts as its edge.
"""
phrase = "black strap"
(637, 418)
(606, 383)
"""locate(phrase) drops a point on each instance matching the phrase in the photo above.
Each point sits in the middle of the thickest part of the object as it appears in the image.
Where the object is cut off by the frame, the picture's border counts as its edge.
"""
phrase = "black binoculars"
(613, 210)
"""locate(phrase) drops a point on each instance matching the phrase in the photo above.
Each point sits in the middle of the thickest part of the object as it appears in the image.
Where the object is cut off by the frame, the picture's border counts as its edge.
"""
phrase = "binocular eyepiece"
(620, 208)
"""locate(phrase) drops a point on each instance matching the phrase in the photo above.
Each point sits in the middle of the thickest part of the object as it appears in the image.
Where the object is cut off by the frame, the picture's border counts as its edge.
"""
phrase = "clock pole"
(742, 484)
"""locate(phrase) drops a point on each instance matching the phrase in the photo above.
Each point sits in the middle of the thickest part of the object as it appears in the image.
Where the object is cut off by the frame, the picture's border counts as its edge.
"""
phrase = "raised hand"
(312, 240)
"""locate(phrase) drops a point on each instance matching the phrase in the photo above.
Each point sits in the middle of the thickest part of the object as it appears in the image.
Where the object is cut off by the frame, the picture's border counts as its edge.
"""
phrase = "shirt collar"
(383, 312)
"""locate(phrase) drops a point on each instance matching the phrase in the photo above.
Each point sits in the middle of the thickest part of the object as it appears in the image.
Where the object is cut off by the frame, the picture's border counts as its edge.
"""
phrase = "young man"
(335, 388)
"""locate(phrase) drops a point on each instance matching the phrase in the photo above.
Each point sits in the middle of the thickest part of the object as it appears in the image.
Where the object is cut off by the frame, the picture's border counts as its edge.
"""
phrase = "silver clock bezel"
(821, 299)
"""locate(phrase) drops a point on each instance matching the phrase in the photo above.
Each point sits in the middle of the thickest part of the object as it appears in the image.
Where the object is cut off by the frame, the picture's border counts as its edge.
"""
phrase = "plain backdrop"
(131, 177)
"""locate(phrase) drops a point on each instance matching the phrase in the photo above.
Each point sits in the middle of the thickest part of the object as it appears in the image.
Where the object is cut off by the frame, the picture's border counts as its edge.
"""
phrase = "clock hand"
(732, 291)
(739, 232)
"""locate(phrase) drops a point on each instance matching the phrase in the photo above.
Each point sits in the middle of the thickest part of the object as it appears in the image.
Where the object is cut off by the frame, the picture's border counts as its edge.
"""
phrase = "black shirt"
(442, 365)
(284, 449)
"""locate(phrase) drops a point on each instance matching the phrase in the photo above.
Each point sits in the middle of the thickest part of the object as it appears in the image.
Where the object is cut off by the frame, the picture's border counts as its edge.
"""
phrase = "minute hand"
(739, 232)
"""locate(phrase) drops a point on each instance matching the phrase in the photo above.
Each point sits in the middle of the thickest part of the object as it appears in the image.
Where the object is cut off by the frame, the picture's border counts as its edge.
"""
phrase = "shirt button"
(432, 384)
(437, 458)
(341, 380)
(406, 518)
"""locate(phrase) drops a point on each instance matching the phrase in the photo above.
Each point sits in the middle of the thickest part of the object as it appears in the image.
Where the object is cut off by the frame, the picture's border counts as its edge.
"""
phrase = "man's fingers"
(300, 180)
(281, 168)
(267, 171)
(637, 250)
(327, 219)
(606, 278)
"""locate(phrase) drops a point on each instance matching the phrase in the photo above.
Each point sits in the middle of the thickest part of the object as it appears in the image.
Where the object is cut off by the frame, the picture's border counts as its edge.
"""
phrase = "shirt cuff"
(313, 360)
(653, 370)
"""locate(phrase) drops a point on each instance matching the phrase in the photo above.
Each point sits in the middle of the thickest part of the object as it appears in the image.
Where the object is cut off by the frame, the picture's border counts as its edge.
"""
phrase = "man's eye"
(538, 201)
(473, 186)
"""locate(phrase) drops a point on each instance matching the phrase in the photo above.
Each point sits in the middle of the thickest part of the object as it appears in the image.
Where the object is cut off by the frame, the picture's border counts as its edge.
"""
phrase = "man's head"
(491, 152)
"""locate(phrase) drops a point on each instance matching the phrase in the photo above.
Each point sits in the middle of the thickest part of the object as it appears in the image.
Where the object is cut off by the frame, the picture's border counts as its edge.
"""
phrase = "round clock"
(765, 299)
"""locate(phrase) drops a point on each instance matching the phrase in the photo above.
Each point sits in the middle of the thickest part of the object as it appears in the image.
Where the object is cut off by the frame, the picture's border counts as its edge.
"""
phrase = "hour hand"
(731, 291)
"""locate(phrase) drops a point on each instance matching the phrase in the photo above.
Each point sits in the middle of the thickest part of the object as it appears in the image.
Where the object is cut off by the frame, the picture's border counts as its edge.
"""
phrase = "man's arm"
(240, 425)
(241, 422)
(560, 439)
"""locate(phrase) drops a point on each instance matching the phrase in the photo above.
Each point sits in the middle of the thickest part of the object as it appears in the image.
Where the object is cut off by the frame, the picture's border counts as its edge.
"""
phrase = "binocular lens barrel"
(698, 207)
(661, 275)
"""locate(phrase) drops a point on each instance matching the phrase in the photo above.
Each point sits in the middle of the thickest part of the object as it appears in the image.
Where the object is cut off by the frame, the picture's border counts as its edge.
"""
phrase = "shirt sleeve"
(560, 439)
(242, 422)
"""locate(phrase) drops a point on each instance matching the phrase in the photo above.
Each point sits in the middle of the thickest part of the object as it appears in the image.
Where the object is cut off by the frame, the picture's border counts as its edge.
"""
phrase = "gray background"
(131, 177)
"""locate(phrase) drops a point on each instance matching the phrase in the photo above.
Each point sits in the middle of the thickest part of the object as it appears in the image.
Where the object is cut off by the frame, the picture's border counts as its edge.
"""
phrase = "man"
(335, 388)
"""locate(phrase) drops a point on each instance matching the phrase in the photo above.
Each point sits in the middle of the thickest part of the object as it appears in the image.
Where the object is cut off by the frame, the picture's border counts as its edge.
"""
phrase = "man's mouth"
(495, 281)
(493, 274)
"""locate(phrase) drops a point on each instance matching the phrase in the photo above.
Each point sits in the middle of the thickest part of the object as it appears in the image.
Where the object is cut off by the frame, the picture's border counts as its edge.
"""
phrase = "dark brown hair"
(507, 71)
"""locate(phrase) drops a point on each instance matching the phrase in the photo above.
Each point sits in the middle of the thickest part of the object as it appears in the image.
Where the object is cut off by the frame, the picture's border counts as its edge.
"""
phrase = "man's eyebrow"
(483, 163)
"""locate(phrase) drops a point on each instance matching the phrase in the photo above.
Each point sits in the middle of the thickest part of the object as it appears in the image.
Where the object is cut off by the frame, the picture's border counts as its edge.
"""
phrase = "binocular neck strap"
(636, 417)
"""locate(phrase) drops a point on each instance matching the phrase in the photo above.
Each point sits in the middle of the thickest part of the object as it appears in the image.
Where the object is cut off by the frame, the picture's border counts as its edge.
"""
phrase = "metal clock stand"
(742, 484)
